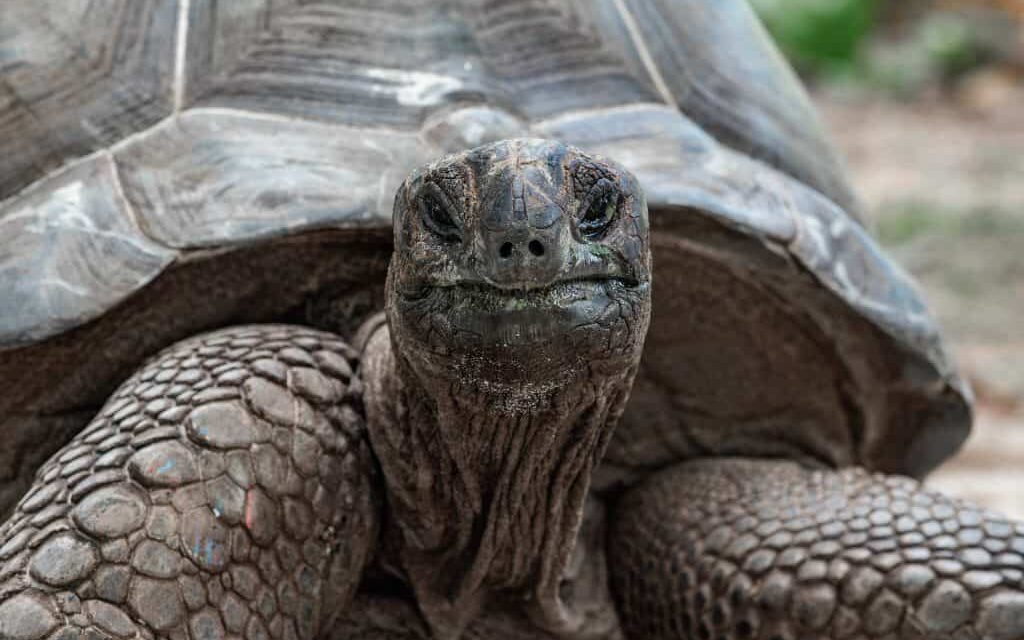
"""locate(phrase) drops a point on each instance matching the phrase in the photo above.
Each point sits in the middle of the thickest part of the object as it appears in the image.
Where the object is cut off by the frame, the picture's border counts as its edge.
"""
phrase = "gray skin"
(432, 479)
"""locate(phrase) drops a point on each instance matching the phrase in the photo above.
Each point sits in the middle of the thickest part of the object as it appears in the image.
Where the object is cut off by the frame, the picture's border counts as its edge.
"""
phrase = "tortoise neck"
(483, 498)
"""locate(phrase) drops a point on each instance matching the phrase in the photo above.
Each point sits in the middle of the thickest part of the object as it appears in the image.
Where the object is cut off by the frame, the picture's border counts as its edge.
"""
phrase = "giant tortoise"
(212, 431)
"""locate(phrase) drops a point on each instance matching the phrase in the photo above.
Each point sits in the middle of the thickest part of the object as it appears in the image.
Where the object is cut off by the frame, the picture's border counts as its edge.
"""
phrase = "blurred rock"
(990, 89)
(996, 373)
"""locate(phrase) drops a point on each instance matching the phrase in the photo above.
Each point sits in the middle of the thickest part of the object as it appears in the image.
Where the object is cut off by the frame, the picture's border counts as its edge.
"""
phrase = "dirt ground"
(944, 187)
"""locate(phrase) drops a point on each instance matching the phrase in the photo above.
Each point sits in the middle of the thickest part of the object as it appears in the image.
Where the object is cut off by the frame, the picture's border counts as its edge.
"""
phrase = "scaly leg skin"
(224, 491)
(733, 548)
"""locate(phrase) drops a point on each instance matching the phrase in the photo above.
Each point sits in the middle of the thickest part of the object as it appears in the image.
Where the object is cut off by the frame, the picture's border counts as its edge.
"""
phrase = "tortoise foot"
(732, 548)
(224, 490)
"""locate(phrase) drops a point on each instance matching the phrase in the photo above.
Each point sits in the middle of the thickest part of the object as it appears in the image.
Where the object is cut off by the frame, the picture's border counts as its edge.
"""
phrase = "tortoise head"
(519, 265)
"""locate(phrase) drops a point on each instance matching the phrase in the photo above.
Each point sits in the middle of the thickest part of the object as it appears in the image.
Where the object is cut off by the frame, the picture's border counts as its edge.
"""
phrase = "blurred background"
(926, 102)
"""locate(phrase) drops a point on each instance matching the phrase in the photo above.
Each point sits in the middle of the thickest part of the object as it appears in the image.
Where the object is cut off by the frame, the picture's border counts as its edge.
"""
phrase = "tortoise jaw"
(518, 295)
(523, 338)
(527, 292)
(476, 306)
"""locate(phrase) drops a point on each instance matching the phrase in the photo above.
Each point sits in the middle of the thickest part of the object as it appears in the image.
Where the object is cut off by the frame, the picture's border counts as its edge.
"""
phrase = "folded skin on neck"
(518, 300)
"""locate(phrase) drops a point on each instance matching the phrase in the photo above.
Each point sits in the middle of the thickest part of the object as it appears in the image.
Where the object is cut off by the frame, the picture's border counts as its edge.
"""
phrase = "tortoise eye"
(435, 211)
(599, 210)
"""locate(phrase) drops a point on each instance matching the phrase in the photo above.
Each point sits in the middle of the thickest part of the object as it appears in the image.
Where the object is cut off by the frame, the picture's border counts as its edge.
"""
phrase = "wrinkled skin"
(513, 248)
(518, 300)
(432, 479)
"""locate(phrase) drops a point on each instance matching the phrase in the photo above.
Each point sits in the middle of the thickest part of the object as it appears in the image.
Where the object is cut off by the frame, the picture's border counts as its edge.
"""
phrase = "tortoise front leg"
(225, 490)
(741, 548)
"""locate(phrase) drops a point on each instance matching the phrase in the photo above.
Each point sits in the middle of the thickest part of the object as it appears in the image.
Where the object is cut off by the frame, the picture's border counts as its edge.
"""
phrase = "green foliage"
(840, 41)
(950, 42)
(908, 221)
(818, 35)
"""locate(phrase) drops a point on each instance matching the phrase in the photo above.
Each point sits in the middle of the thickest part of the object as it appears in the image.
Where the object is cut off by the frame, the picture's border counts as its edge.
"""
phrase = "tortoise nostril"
(536, 248)
(506, 250)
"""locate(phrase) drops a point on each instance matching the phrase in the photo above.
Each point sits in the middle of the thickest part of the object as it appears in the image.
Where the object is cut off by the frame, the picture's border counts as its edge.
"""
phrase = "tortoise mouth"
(575, 316)
(493, 297)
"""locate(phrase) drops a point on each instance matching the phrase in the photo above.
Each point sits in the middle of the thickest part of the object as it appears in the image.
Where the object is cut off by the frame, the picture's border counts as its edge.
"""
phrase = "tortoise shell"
(168, 167)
